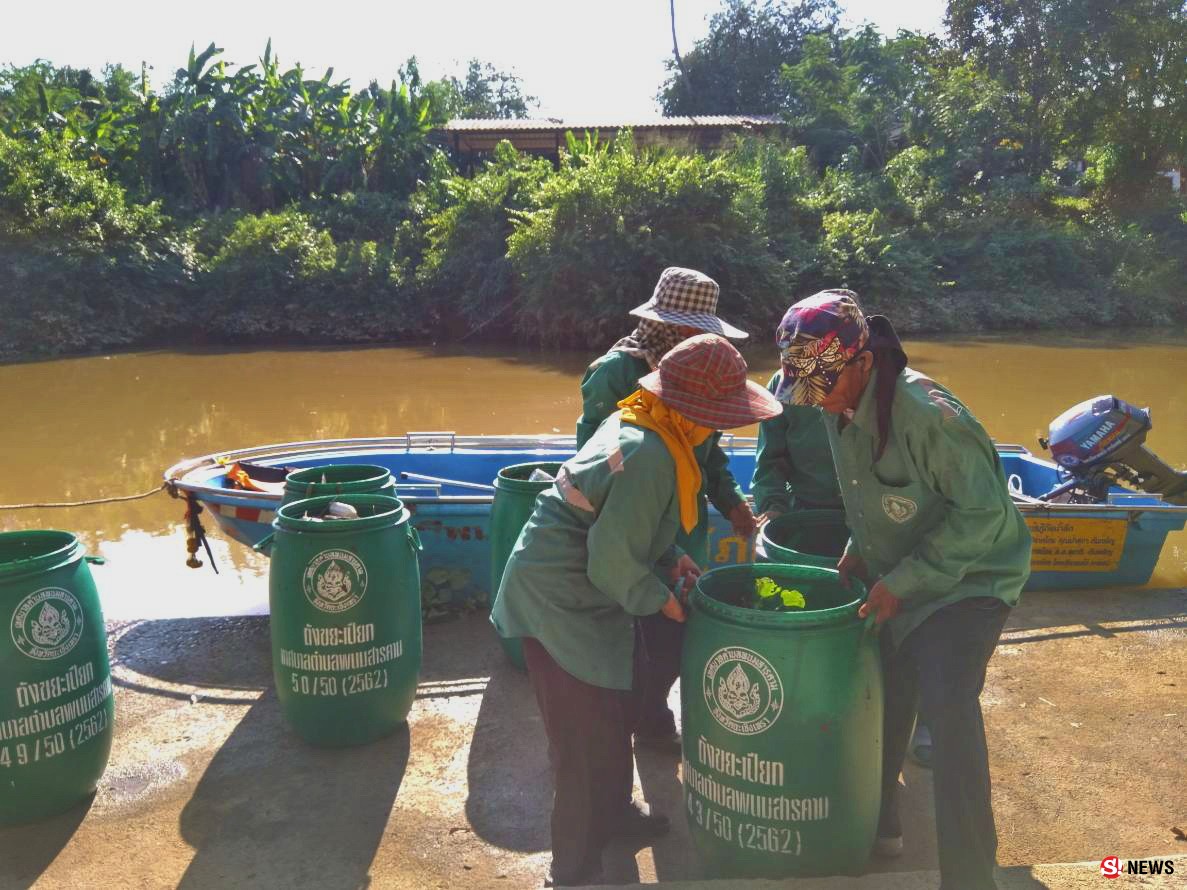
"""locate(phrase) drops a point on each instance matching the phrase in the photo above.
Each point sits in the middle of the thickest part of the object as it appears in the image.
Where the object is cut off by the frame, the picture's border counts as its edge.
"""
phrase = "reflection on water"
(105, 426)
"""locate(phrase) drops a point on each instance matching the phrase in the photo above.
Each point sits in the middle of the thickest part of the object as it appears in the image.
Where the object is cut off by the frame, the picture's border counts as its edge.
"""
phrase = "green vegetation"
(771, 597)
(1004, 176)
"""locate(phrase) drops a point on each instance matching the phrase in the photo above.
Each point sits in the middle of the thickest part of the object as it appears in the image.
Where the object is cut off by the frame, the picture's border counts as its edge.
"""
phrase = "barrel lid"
(778, 530)
(515, 477)
(375, 511)
(338, 474)
(720, 580)
(36, 550)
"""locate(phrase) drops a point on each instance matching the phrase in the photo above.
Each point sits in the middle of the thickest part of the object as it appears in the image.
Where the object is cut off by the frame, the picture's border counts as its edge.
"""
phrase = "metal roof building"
(546, 136)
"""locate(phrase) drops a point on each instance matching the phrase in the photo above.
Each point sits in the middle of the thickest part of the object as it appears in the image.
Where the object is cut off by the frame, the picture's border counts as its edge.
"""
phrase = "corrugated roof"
(524, 124)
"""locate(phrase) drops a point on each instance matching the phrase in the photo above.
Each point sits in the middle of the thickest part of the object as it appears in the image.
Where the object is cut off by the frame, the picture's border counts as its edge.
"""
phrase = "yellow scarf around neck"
(681, 435)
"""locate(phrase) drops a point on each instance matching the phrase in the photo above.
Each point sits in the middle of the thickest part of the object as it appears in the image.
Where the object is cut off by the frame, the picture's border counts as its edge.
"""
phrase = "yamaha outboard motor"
(1101, 443)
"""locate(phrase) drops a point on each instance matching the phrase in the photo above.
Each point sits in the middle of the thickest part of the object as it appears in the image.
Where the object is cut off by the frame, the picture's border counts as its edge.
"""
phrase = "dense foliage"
(1005, 176)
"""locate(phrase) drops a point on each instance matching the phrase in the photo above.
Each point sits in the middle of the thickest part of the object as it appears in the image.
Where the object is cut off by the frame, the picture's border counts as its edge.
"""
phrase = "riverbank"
(1084, 705)
(522, 251)
(119, 338)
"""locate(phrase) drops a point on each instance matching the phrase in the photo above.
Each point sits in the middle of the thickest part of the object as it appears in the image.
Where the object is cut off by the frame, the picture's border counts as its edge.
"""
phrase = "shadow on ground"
(272, 810)
(1084, 613)
(215, 653)
(509, 789)
(27, 850)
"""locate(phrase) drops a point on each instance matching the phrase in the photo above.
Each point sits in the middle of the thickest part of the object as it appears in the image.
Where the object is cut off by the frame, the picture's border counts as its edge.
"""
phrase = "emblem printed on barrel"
(335, 580)
(743, 691)
(47, 624)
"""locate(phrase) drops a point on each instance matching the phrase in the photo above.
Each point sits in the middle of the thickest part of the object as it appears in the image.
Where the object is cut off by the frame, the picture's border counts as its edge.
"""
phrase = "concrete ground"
(1086, 705)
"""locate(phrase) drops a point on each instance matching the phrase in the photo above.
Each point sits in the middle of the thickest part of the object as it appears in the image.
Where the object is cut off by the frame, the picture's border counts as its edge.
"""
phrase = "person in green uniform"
(597, 554)
(939, 542)
(793, 469)
(683, 305)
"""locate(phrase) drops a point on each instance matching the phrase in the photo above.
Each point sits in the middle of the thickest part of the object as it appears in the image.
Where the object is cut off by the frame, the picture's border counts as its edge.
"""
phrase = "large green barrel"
(346, 632)
(804, 537)
(782, 726)
(56, 706)
(315, 482)
(514, 501)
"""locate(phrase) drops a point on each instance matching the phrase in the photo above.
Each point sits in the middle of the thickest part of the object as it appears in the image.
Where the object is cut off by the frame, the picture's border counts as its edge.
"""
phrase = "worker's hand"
(742, 519)
(766, 516)
(672, 609)
(850, 565)
(883, 604)
(685, 574)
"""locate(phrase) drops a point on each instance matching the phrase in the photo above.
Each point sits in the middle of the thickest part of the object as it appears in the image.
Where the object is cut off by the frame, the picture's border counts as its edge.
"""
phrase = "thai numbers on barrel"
(329, 685)
(710, 819)
(767, 839)
(747, 835)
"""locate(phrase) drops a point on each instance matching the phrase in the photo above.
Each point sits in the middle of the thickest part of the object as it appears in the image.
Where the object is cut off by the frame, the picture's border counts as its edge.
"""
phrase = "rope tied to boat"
(87, 503)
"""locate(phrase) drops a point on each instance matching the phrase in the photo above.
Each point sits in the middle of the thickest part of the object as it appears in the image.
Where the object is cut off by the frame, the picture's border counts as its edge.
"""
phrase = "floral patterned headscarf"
(817, 338)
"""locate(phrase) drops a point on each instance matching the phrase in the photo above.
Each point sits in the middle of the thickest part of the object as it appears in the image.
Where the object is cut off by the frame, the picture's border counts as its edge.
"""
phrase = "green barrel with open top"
(56, 704)
(336, 479)
(345, 617)
(782, 723)
(514, 501)
(804, 537)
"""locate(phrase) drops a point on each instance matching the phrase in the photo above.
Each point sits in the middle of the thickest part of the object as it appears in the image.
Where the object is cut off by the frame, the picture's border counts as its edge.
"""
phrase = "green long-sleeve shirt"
(611, 379)
(586, 561)
(932, 518)
(794, 463)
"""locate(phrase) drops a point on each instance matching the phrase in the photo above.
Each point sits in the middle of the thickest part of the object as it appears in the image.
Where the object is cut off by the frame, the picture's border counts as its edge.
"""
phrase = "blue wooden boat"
(1114, 543)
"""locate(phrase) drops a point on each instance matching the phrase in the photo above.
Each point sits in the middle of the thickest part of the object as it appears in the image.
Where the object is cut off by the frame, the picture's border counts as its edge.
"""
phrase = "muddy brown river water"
(103, 426)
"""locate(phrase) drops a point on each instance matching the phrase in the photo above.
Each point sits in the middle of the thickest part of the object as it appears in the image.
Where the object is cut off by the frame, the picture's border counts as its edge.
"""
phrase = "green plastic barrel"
(315, 482)
(56, 706)
(782, 726)
(345, 618)
(514, 501)
(804, 537)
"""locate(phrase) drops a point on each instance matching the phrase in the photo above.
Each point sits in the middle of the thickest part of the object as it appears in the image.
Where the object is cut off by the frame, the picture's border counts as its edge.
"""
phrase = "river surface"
(102, 426)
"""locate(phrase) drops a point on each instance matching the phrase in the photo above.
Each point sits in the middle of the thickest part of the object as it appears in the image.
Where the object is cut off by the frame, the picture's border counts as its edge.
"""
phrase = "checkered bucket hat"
(704, 378)
(688, 297)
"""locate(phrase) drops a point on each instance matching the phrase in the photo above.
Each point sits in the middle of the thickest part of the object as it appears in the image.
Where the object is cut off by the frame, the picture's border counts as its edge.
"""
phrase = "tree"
(1083, 73)
(736, 68)
(1028, 46)
(486, 92)
(1131, 92)
(854, 92)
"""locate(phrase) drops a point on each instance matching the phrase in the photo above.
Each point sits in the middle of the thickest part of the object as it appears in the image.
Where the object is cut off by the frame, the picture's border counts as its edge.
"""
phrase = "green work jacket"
(588, 559)
(933, 518)
(611, 379)
(794, 464)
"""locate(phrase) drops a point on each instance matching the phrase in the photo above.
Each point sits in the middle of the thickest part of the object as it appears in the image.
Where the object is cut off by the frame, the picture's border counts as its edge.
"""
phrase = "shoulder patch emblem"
(616, 460)
(950, 409)
(898, 508)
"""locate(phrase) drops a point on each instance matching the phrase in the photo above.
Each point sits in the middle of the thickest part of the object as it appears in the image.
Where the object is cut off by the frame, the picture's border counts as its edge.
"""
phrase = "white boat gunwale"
(197, 475)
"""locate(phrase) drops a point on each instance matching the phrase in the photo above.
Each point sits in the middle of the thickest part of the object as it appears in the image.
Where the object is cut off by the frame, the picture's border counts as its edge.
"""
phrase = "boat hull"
(1076, 546)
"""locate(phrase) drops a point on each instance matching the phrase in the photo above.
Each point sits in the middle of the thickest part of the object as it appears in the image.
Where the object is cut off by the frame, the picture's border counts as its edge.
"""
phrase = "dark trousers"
(589, 746)
(940, 668)
(661, 640)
